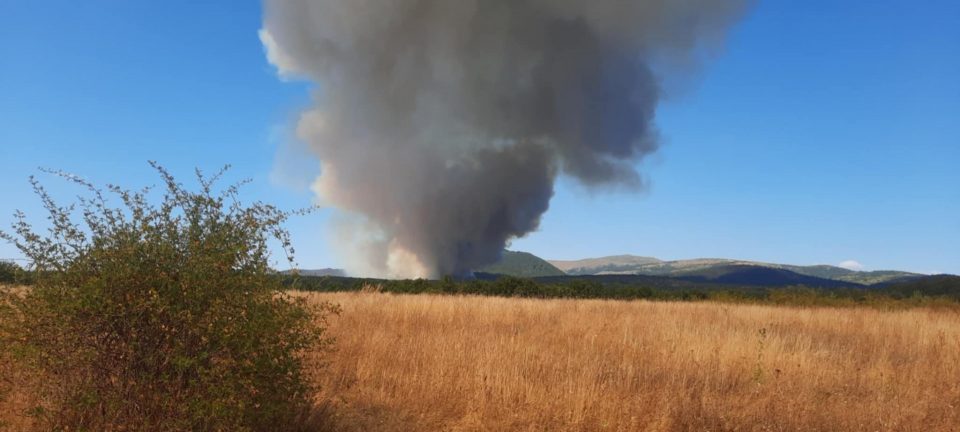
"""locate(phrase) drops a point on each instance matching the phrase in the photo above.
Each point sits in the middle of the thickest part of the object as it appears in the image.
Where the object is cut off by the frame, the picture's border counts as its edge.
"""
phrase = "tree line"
(927, 291)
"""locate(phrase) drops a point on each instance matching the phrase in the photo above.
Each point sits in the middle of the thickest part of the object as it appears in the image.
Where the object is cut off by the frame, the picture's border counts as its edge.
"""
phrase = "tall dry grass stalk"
(418, 363)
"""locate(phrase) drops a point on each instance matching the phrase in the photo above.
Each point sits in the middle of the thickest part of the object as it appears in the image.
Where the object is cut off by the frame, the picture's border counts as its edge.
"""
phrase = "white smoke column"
(441, 125)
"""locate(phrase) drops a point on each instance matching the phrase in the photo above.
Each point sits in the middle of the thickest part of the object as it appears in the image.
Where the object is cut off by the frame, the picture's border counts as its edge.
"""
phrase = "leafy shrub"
(161, 317)
(8, 272)
(13, 274)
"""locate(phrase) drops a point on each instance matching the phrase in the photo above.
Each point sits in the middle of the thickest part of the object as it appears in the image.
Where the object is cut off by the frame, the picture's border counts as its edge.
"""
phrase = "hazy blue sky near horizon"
(823, 132)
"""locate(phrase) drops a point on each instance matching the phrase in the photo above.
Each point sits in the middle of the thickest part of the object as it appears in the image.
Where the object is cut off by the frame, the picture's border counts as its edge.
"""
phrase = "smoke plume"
(441, 125)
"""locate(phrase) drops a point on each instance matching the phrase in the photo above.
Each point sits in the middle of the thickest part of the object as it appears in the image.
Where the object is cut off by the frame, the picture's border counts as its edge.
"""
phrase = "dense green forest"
(932, 290)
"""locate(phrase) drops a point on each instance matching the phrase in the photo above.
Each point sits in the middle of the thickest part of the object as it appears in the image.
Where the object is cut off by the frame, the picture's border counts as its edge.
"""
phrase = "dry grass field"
(448, 363)
(424, 363)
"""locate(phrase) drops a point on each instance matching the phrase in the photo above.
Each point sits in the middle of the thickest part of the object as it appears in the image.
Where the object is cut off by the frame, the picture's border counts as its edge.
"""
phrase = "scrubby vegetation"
(930, 291)
(158, 317)
(8, 272)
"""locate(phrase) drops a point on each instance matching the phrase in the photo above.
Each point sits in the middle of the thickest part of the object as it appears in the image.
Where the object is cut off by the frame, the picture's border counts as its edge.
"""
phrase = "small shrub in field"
(8, 272)
(13, 274)
(160, 317)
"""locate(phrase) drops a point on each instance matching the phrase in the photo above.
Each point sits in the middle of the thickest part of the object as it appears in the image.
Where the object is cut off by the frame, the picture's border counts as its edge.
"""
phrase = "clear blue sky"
(826, 131)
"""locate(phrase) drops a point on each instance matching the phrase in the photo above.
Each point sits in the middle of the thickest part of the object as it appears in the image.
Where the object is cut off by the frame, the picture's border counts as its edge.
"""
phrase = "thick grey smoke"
(441, 125)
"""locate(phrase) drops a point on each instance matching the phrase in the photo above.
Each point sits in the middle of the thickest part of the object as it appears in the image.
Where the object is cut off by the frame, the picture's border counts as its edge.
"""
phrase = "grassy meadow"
(463, 363)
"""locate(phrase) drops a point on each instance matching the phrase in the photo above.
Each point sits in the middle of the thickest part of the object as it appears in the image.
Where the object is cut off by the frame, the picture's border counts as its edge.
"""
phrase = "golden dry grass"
(16, 399)
(419, 363)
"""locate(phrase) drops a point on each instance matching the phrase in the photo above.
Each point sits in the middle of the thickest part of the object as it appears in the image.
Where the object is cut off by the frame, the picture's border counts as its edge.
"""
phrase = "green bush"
(8, 272)
(161, 317)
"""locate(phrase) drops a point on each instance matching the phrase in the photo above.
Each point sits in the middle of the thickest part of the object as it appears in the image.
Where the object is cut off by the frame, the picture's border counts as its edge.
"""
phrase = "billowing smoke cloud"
(441, 125)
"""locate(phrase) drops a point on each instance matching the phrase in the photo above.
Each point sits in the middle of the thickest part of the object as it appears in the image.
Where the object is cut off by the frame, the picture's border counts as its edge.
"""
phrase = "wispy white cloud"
(851, 265)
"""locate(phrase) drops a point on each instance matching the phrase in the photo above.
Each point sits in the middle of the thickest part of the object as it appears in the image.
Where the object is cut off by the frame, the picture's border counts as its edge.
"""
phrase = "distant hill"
(624, 269)
(627, 264)
(713, 277)
(705, 270)
(752, 275)
(522, 264)
(605, 265)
